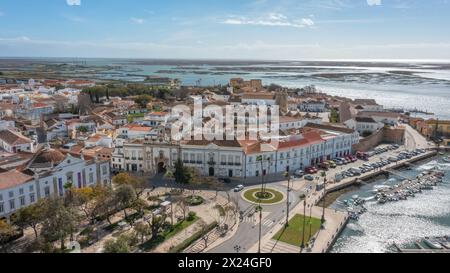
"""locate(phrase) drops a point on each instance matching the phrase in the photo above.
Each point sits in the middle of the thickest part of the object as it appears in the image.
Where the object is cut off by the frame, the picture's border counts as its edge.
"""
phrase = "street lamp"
(304, 225)
(287, 198)
(324, 175)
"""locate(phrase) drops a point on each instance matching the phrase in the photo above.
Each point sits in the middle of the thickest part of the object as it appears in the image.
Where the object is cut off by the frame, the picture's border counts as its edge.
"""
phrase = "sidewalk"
(335, 222)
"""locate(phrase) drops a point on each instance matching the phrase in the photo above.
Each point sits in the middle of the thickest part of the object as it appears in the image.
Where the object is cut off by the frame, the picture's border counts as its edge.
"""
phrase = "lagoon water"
(402, 222)
(422, 85)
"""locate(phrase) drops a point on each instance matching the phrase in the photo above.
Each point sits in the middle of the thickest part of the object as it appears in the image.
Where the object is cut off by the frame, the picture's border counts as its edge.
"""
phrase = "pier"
(420, 250)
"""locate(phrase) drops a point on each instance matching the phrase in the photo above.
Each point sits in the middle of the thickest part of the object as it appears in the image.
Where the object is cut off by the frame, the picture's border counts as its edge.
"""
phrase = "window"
(104, 170)
(47, 191)
(21, 191)
(12, 204)
(1, 197)
(32, 198)
(91, 178)
(22, 201)
(230, 160)
(2, 209)
(31, 188)
(11, 194)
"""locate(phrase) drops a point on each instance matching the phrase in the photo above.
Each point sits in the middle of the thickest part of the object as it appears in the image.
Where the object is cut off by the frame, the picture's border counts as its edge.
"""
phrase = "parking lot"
(343, 168)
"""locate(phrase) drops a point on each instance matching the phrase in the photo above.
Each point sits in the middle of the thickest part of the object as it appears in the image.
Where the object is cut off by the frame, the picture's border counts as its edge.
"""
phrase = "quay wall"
(388, 135)
(368, 176)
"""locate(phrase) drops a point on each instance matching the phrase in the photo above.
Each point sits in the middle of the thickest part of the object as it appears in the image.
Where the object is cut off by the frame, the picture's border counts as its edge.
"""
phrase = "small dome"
(49, 155)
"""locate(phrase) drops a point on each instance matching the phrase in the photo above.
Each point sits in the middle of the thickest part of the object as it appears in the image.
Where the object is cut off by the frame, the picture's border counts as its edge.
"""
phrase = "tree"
(182, 174)
(156, 224)
(6, 232)
(60, 221)
(204, 229)
(83, 198)
(143, 100)
(125, 196)
(105, 203)
(182, 205)
(138, 184)
(82, 129)
(31, 216)
(142, 229)
(120, 245)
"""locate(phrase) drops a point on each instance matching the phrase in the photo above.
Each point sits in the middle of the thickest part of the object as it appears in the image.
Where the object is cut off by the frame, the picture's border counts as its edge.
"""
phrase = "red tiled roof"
(13, 178)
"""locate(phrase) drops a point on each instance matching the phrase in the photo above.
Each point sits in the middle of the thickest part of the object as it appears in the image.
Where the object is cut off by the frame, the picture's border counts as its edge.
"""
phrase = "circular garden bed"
(268, 197)
(194, 200)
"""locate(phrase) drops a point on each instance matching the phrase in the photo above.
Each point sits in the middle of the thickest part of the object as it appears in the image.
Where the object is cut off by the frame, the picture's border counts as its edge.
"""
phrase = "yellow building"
(434, 128)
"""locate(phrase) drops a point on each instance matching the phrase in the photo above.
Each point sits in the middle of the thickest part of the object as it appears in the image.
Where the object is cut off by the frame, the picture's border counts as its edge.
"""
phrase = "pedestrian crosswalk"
(255, 221)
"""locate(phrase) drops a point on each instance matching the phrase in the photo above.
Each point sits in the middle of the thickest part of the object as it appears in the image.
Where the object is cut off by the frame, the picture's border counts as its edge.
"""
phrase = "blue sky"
(237, 29)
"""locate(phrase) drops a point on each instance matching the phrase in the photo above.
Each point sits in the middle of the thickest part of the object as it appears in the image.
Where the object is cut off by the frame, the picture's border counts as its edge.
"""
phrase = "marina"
(419, 222)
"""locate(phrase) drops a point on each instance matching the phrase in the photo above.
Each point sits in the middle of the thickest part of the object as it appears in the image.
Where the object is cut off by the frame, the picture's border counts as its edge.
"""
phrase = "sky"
(226, 29)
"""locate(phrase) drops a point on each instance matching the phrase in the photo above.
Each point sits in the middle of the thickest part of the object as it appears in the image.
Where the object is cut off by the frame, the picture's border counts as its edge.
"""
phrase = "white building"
(48, 173)
(133, 131)
(363, 124)
(14, 142)
(259, 98)
(312, 106)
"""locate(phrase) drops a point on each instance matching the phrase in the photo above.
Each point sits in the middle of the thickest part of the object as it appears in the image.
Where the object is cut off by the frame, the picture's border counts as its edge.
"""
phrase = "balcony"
(199, 162)
(211, 162)
(237, 164)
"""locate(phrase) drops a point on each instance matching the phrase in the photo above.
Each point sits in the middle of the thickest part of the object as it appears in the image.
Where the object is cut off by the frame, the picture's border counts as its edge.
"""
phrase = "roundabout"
(270, 196)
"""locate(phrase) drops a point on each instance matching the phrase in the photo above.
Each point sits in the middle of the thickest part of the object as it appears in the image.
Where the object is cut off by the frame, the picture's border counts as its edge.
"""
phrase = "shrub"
(191, 216)
(194, 200)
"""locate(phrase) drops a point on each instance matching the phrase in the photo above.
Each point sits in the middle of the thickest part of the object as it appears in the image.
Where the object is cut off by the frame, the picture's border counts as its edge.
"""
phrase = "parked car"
(324, 165)
(239, 188)
(309, 177)
(393, 159)
(299, 173)
(311, 170)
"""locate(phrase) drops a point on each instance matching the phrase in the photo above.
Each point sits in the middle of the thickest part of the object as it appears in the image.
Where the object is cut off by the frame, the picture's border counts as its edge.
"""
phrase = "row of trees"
(57, 218)
(134, 89)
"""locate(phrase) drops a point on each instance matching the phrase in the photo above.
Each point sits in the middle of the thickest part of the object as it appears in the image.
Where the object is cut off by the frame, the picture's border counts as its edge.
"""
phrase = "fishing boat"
(433, 243)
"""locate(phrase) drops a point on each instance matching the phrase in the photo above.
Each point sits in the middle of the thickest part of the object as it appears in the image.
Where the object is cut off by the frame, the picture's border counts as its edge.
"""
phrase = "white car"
(239, 188)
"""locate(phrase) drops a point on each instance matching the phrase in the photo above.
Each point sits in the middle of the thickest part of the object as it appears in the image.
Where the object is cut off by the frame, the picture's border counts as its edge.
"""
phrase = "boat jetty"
(426, 180)
(428, 245)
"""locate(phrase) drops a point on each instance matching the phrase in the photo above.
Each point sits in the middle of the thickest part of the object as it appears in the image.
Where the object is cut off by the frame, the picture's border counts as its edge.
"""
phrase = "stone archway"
(161, 168)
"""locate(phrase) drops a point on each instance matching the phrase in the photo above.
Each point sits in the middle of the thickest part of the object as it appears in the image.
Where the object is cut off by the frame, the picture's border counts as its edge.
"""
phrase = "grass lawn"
(293, 233)
(179, 227)
(154, 242)
(275, 198)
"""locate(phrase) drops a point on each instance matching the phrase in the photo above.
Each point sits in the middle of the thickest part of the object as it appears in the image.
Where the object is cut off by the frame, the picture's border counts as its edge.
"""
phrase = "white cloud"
(138, 21)
(374, 2)
(73, 2)
(272, 19)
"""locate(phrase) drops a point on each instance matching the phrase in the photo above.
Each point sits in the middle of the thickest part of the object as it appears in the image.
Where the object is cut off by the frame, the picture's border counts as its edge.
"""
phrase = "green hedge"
(179, 248)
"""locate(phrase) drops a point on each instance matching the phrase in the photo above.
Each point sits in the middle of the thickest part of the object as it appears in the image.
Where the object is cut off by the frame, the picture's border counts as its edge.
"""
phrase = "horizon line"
(381, 60)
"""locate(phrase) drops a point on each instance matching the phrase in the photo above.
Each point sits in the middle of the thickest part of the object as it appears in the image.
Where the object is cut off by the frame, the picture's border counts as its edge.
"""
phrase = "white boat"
(446, 159)
(433, 243)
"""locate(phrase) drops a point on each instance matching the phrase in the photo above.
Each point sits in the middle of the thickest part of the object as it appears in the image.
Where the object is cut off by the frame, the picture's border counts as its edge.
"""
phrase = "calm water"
(403, 222)
(409, 85)
(400, 85)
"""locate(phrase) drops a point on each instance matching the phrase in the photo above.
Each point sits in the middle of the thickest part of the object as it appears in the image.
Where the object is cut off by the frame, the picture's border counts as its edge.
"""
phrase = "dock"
(420, 250)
